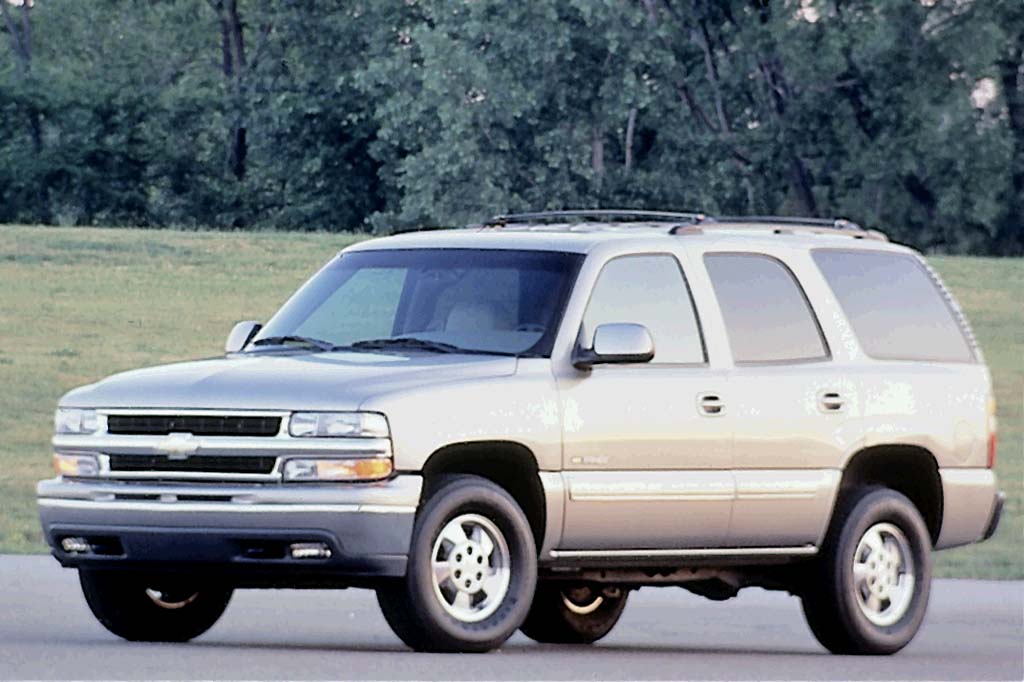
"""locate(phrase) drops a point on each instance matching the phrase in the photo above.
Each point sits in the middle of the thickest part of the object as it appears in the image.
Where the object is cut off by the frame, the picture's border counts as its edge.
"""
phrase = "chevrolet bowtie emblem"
(178, 446)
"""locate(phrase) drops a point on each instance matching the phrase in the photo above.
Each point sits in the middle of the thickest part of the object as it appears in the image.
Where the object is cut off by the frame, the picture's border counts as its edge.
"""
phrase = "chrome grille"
(199, 425)
(213, 464)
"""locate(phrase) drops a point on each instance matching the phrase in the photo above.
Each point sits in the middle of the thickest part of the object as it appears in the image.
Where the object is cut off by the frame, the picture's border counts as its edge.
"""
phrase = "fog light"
(76, 546)
(310, 550)
(337, 469)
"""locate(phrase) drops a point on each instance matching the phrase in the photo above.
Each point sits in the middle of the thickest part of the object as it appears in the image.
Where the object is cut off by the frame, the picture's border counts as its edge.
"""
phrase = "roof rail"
(624, 215)
(692, 223)
(420, 228)
(834, 223)
(783, 225)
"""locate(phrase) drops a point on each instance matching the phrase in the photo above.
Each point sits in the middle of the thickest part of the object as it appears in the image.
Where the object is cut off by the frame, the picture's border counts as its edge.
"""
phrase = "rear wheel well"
(907, 469)
(509, 465)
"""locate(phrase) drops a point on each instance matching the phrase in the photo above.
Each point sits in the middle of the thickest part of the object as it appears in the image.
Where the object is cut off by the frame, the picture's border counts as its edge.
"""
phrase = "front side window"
(647, 290)
(766, 313)
(494, 301)
(895, 307)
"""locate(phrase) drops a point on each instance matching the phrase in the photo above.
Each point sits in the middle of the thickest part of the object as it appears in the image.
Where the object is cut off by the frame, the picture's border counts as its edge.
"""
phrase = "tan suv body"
(719, 404)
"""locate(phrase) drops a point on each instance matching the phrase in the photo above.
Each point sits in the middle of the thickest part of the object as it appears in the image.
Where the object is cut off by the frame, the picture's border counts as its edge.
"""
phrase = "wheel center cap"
(468, 567)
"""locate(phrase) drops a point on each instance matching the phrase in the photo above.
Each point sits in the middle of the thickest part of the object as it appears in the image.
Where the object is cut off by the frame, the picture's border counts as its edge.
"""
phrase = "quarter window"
(766, 312)
(648, 290)
(895, 307)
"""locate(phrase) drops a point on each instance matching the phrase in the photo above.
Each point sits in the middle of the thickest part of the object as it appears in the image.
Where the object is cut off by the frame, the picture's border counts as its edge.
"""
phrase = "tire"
(494, 559)
(873, 607)
(568, 614)
(152, 609)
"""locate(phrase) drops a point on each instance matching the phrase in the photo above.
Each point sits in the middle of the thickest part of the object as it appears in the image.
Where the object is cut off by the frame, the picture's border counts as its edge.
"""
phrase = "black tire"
(832, 601)
(413, 608)
(552, 621)
(151, 608)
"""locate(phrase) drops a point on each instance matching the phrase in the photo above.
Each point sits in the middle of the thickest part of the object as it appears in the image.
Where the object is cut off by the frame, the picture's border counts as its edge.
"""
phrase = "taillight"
(990, 461)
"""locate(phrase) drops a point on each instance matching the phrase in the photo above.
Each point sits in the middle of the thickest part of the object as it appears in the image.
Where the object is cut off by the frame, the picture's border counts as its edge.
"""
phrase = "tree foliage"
(905, 115)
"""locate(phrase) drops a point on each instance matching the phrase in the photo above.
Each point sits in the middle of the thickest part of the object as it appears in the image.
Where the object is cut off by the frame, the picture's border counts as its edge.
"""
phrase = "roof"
(581, 231)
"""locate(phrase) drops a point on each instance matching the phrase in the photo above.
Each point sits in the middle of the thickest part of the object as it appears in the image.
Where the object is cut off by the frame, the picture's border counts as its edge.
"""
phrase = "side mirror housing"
(241, 334)
(619, 344)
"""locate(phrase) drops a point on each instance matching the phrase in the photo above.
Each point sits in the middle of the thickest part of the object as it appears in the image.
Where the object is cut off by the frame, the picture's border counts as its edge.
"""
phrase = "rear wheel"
(471, 574)
(563, 613)
(868, 592)
(152, 608)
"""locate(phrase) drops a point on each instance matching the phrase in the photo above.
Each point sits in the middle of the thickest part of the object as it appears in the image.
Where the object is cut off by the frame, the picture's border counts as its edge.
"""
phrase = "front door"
(647, 447)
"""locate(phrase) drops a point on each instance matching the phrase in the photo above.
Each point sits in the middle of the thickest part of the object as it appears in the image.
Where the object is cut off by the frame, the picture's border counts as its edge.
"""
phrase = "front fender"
(520, 408)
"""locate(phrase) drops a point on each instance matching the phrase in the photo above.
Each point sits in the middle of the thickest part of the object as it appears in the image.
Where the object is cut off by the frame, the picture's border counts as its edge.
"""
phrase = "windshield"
(494, 301)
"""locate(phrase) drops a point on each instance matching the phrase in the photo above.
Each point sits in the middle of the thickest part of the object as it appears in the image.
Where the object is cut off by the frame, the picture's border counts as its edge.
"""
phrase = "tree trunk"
(802, 184)
(702, 38)
(597, 152)
(234, 64)
(1010, 238)
(630, 132)
(20, 34)
(780, 93)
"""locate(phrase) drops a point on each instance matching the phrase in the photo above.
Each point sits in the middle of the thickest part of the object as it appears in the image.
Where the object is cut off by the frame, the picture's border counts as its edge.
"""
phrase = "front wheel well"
(907, 469)
(509, 465)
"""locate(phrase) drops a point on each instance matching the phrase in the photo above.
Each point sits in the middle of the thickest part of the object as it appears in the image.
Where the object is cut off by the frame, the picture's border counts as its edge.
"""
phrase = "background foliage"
(906, 115)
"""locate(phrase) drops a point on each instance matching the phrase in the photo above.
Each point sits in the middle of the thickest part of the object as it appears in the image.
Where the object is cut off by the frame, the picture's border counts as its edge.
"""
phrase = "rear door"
(793, 405)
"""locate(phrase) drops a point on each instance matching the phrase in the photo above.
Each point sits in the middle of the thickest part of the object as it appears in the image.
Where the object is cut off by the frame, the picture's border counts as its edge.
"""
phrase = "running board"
(634, 556)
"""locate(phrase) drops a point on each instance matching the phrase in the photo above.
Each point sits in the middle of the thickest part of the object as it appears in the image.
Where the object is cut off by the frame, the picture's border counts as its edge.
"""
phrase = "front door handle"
(830, 401)
(710, 404)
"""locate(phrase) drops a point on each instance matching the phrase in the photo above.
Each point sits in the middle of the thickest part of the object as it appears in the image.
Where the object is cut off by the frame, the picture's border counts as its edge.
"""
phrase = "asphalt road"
(974, 630)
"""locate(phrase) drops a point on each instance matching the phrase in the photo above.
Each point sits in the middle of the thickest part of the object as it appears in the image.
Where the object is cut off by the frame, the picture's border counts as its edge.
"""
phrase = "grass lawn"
(77, 304)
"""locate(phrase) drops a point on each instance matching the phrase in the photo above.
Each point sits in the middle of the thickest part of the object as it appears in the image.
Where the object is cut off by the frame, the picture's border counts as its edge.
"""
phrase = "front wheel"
(152, 608)
(868, 592)
(471, 574)
(573, 614)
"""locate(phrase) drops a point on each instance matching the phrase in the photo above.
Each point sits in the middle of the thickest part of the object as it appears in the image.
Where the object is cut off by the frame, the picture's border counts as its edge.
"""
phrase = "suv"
(515, 425)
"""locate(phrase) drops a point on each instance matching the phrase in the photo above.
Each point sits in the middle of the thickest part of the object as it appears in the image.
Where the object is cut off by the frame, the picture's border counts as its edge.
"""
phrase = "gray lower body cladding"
(240, 534)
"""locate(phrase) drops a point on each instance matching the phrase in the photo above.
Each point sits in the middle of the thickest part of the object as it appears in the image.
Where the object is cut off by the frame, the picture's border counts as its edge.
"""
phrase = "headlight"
(76, 465)
(338, 425)
(67, 420)
(337, 469)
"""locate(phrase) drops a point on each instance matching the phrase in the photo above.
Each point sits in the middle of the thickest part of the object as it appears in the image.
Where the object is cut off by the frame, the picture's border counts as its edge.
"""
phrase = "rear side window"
(896, 307)
(766, 312)
(648, 290)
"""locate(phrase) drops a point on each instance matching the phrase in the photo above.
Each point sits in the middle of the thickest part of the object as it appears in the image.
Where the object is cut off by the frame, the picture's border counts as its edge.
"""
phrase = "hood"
(271, 381)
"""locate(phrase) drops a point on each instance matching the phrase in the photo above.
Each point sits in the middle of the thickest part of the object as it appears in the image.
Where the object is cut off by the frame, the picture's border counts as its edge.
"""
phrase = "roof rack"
(782, 225)
(834, 223)
(680, 223)
(623, 215)
(420, 228)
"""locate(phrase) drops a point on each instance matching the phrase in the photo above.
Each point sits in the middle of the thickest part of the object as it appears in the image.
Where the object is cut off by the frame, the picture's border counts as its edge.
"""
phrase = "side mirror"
(241, 334)
(619, 343)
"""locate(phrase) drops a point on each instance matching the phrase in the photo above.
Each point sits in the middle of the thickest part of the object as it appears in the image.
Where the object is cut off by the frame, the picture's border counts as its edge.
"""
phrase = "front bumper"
(239, 531)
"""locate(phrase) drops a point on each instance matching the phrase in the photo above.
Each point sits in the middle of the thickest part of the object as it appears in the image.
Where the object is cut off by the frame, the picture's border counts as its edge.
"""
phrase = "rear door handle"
(830, 401)
(710, 404)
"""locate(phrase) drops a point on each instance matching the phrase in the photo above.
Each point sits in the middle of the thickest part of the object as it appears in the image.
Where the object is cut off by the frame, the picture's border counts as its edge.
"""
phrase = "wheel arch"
(508, 464)
(911, 470)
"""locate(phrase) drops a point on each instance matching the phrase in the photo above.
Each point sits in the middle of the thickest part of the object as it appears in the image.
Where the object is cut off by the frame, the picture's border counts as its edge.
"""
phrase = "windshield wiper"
(304, 340)
(407, 342)
(411, 343)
